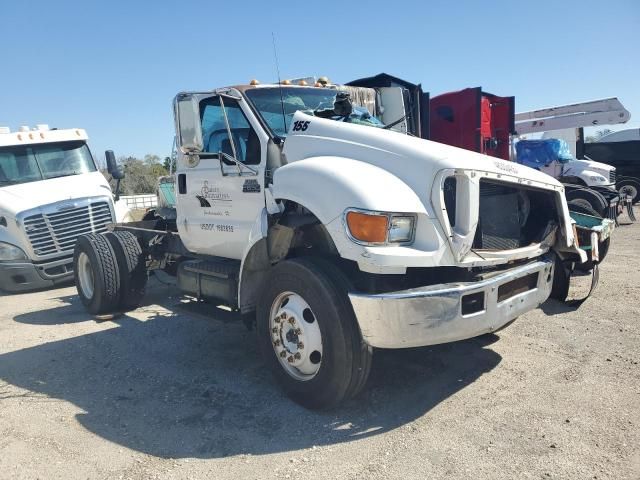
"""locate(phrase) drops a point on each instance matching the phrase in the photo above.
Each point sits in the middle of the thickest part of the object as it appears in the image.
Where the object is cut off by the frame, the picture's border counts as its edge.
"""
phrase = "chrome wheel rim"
(85, 275)
(295, 336)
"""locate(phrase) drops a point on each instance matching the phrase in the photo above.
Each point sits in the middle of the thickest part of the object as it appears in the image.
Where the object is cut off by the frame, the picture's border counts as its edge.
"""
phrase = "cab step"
(210, 279)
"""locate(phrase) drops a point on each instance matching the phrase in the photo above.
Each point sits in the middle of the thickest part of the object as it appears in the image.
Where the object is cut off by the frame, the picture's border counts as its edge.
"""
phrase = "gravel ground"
(176, 390)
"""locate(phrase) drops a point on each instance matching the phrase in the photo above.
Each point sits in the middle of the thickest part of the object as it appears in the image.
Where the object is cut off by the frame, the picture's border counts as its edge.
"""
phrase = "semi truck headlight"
(597, 178)
(401, 229)
(380, 228)
(11, 252)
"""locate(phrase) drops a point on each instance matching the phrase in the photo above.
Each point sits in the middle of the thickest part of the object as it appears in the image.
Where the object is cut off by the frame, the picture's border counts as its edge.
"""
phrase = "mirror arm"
(116, 194)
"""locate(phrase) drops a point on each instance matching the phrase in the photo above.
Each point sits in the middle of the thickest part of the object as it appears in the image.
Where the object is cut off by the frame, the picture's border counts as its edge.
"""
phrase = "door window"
(215, 137)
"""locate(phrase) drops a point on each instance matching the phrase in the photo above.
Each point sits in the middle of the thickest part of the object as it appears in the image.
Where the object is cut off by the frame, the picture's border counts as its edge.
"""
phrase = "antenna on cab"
(275, 54)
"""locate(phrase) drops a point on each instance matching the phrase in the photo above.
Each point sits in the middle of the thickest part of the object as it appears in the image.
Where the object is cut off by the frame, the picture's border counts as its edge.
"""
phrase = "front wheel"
(308, 333)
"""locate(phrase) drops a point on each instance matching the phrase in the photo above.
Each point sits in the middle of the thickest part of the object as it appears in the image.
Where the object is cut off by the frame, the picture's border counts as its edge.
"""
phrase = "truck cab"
(335, 235)
(50, 193)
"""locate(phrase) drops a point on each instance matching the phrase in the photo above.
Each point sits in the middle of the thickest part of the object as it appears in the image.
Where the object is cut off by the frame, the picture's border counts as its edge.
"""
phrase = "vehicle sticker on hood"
(506, 167)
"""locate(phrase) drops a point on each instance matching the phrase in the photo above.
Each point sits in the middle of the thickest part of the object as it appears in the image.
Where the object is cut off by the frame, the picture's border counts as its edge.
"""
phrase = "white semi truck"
(336, 234)
(50, 193)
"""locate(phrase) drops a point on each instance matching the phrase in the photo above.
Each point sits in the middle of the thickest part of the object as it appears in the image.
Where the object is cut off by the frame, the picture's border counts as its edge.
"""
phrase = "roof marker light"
(254, 82)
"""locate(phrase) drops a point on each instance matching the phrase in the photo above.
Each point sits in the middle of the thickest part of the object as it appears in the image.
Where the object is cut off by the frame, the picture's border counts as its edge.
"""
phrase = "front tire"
(308, 334)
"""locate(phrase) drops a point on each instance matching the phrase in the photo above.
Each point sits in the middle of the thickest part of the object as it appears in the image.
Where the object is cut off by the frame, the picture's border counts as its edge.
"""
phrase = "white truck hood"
(414, 160)
(25, 196)
(584, 167)
(420, 164)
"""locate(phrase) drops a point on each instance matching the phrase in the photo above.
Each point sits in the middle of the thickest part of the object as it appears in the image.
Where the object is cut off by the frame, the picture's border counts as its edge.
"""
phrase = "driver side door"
(224, 199)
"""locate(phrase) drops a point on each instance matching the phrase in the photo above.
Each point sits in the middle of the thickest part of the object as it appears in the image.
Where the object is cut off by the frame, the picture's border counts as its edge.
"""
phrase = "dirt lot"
(176, 390)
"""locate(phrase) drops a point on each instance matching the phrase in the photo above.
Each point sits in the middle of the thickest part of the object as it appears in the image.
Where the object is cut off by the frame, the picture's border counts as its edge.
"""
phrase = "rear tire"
(561, 278)
(96, 274)
(597, 201)
(132, 268)
(580, 205)
(319, 290)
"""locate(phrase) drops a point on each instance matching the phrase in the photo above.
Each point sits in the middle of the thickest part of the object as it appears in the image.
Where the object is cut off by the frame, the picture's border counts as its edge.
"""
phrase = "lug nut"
(297, 355)
(277, 319)
(283, 354)
(300, 345)
(276, 343)
(283, 315)
(274, 329)
(292, 320)
(290, 359)
(298, 331)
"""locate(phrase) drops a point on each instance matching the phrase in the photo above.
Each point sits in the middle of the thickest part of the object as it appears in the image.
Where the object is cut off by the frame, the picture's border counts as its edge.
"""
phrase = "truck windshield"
(268, 103)
(31, 163)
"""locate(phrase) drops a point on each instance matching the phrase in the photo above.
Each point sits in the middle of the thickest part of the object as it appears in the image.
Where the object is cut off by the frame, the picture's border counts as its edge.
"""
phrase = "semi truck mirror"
(115, 170)
(187, 117)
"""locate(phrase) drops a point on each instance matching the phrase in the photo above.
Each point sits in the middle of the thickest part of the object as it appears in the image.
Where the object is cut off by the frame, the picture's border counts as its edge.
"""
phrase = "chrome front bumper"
(453, 311)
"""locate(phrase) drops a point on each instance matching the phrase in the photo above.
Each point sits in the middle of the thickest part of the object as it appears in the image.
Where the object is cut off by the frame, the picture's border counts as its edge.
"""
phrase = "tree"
(150, 159)
(169, 164)
(598, 135)
(141, 176)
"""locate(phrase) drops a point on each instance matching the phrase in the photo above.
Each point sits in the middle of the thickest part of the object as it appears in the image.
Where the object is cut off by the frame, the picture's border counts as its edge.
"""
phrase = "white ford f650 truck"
(339, 234)
(50, 192)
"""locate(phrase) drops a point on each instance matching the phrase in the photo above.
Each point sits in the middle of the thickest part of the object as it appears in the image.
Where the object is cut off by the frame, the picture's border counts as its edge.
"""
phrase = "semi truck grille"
(612, 176)
(57, 232)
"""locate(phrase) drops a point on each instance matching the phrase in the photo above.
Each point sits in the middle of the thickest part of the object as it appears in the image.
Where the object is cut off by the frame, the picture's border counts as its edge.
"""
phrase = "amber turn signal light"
(369, 228)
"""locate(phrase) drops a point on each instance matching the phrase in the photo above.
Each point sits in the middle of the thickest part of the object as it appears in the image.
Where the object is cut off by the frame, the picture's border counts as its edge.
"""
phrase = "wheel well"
(295, 232)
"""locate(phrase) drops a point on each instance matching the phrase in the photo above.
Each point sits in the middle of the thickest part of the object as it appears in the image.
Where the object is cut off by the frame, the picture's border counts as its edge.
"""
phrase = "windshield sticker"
(251, 186)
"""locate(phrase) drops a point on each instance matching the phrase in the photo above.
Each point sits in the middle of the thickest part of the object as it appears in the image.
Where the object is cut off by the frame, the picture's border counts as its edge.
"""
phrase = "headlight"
(597, 178)
(380, 228)
(11, 252)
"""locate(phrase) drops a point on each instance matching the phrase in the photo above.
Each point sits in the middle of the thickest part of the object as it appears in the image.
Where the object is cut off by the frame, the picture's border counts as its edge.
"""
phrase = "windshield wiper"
(62, 175)
(393, 124)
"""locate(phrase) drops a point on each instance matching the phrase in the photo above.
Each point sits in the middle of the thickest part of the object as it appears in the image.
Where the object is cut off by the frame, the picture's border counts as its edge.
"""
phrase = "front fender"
(329, 185)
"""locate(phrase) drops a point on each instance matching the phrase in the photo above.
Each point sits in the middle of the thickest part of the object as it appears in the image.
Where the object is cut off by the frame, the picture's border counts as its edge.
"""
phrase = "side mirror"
(115, 170)
(186, 111)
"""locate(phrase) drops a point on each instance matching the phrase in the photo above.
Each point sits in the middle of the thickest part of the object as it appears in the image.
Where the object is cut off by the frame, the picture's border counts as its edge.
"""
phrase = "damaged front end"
(493, 219)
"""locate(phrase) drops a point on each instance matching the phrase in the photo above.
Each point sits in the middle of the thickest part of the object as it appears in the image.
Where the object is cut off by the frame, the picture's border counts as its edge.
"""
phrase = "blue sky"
(113, 67)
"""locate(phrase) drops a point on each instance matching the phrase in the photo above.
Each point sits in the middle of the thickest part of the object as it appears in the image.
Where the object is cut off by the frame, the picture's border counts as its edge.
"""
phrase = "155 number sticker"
(301, 125)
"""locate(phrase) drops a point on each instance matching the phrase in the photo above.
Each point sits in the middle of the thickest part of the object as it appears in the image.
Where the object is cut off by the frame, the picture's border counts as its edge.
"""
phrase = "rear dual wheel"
(308, 334)
(110, 272)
